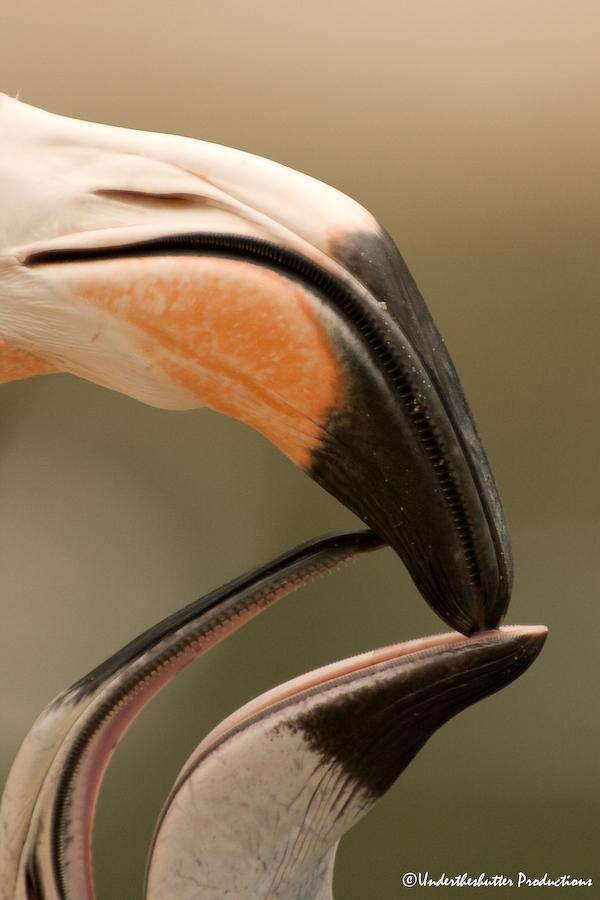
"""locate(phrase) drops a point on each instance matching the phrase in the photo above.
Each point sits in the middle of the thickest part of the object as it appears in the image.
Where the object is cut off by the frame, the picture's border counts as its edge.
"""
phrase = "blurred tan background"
(470, 129)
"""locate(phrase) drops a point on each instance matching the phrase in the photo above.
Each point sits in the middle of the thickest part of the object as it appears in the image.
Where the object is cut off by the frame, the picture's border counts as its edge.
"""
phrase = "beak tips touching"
(274, 299)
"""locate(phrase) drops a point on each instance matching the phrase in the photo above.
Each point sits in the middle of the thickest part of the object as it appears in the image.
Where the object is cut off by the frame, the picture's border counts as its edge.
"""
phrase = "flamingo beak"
(279, 782)
(258, 809)
(187, 274)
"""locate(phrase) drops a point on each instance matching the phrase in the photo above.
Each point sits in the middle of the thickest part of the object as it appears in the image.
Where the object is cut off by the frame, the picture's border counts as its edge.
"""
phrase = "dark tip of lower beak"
(378, 728)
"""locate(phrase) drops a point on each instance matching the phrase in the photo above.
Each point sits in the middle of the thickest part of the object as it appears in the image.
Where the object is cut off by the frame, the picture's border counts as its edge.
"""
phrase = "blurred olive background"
(470, 129)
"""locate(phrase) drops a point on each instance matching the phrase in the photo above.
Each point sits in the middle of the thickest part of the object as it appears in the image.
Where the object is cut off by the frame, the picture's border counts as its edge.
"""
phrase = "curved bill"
(289, 773)
(187, 274)
(259, 808)
(47, 808)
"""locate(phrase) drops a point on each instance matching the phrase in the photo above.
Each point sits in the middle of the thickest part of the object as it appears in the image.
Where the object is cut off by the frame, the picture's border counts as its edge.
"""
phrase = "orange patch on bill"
(243, 339)
(16, 364)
